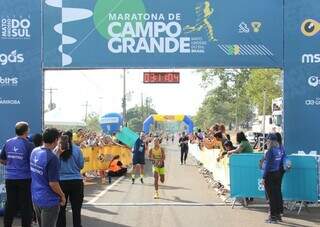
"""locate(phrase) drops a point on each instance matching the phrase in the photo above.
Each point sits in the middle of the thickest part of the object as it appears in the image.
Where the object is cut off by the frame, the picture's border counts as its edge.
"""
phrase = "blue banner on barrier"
(299, 184)
(166, 33)
(20, 65)
(302, 79)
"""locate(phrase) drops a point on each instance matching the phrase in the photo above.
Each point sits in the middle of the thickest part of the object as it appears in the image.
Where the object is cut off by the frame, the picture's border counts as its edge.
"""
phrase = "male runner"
(138, 157)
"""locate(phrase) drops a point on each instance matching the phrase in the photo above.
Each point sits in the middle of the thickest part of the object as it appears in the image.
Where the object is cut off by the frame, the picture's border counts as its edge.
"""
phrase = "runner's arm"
(163, 154)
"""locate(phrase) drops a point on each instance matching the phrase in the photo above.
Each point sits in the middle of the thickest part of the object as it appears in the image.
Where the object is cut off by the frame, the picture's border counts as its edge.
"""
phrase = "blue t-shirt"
(139, 147)
(16, 152)
(272, 161)
(70, 169)
(44, 166)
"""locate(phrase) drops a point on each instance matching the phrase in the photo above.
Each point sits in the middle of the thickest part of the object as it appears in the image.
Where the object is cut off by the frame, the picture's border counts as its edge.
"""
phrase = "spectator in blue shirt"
(47, 195)
(71, 163)
(15, 155)
(272, 178)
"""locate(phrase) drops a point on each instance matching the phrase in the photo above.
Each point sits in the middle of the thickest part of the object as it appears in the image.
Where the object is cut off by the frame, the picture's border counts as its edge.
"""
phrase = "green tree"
(262, 81)
(137, 115)
(92, 122)
(227, 102)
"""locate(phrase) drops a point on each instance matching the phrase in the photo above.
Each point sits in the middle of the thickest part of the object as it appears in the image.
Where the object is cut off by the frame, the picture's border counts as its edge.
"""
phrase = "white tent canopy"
(56, 118)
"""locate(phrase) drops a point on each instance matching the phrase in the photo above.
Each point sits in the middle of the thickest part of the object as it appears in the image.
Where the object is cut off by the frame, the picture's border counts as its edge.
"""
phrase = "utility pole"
(51, 105)
(86, 111)
(142, 110)
(124, 99)
(264, 117)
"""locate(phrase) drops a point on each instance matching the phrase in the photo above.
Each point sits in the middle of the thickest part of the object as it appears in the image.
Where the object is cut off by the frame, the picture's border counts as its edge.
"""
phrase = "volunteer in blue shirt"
(47, 195)
(71, 163)
(272, 178)
(15, 155)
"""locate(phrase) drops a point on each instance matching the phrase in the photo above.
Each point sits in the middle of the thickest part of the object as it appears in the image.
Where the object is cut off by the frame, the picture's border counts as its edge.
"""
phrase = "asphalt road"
(185, 200)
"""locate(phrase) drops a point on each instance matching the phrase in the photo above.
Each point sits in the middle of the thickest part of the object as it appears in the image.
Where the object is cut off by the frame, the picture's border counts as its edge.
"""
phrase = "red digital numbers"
(161, 77)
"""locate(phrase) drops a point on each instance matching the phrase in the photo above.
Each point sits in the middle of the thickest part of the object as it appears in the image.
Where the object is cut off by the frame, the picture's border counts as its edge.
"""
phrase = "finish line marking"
(154, 204)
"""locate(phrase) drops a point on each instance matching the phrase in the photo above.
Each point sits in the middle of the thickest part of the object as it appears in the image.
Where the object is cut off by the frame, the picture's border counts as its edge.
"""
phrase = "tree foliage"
(137, 115)
(264, 80)
(92, 122)
(234, 95)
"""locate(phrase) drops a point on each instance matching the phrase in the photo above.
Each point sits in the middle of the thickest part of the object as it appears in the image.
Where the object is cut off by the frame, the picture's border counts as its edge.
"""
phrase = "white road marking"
(156, 204)
(92, 201)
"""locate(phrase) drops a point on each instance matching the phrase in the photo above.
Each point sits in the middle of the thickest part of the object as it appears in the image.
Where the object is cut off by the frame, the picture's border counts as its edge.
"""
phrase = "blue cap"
(272, 137)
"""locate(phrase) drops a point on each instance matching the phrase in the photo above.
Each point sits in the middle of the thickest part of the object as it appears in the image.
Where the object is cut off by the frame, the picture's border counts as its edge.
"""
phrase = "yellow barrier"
(98, 158)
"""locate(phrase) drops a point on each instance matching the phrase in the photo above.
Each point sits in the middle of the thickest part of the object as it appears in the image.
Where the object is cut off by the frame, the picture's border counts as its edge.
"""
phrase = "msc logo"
(13, 57)
(310, 58)
(310, 27)
(12, 28)
(314, 81)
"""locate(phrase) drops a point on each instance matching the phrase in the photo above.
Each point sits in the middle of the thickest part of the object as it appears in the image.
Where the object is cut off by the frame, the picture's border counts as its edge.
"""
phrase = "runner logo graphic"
(12, 28)
(13, 57)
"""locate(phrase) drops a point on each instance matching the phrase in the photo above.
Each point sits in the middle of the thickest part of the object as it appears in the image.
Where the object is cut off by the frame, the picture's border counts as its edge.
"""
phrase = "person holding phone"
(47, 196)
(71, 182)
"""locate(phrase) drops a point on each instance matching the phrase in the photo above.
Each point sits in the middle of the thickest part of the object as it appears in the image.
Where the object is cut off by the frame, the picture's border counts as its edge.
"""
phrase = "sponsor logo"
(310, 27)
(9, 101)
(260, 185)
(256, 25)
(314, 81)
(313, 102)
(310, 58)
(243, 28)
(15, 149)
(8, 81)
(12, 57)
(245, 49)
(15, 28)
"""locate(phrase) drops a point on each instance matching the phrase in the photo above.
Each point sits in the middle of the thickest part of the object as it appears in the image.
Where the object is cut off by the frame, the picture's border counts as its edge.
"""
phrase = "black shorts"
(138, 159)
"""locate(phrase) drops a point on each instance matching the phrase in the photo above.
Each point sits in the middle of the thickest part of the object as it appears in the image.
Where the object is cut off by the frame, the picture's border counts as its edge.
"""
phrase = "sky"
(103, 90)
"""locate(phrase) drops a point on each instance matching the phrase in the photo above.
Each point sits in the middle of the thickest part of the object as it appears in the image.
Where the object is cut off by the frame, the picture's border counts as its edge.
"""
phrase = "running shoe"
(141, 179)
(132, 180)
(156, 195)
(271, 220)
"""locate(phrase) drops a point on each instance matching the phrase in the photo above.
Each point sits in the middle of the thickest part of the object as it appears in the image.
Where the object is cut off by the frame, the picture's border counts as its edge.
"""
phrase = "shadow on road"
(312, 215)
(167, 187)
(99, 210)
(177, 200)
(92, 221)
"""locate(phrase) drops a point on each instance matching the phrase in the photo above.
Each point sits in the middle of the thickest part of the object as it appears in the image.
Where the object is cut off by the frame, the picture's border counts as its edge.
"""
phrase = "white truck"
(277, 114)
(267, 124)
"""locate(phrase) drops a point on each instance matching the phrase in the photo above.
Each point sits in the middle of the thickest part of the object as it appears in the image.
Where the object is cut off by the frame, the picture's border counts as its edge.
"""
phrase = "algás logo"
(146, 33)
(314, 81)
(12, 28)
(8, 81)
(12, 57)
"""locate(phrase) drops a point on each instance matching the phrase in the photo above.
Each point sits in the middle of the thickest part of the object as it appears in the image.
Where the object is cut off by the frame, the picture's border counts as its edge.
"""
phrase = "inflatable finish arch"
(162, 118)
